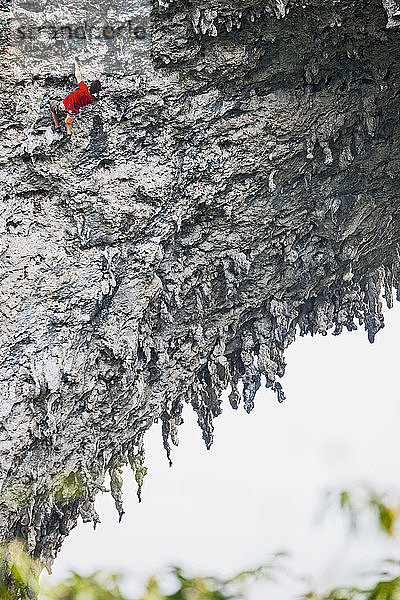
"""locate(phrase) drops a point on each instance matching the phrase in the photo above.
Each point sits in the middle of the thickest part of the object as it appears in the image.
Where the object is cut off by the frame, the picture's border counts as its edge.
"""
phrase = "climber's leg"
(56, 112)
(68, 122)
(54, 115)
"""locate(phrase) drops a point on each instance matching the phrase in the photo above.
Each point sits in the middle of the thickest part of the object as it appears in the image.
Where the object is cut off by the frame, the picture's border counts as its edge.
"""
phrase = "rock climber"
(69, 107)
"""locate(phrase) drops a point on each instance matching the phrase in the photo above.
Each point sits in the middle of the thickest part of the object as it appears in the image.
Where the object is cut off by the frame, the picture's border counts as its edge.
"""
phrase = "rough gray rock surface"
(245, 189)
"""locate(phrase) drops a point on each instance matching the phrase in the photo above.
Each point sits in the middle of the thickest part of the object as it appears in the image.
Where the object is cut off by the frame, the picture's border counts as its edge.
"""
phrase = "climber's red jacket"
(80, 97)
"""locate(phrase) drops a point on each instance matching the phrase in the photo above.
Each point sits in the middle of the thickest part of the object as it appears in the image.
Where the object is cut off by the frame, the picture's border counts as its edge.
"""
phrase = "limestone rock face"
(238, 187)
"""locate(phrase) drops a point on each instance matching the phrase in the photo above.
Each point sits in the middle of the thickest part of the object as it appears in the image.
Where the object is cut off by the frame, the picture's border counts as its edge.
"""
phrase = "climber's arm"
(78, 73)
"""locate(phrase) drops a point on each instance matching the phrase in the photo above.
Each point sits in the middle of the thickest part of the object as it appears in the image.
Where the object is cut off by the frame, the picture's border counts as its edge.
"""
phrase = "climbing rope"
(21, 107)
(53, 97)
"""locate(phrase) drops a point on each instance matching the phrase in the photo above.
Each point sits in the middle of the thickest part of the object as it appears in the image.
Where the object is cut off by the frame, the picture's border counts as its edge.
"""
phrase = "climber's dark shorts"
(57, 106)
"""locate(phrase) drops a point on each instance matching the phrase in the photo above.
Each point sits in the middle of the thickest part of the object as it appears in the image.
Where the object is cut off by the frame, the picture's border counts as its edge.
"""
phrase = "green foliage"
(95, 587)
(209, 588)
(385, 590)
(388, 589)
(348, 507)
(189, 588)
(387, 515)
(339, 594)
(18, 573)
(363, 500)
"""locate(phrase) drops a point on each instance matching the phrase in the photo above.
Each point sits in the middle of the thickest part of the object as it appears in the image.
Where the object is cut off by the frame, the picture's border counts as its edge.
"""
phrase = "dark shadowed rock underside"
(243, 190)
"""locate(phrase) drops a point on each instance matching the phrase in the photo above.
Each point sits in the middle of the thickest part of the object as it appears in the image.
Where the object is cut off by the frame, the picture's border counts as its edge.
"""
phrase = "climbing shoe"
(68, 136)
(57, 129)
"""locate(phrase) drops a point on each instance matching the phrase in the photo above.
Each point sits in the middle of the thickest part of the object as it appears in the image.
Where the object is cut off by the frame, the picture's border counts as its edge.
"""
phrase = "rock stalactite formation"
(240, 191)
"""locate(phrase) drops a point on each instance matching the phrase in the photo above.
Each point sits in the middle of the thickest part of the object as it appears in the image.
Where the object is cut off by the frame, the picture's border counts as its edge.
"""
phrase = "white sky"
(258, 490)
